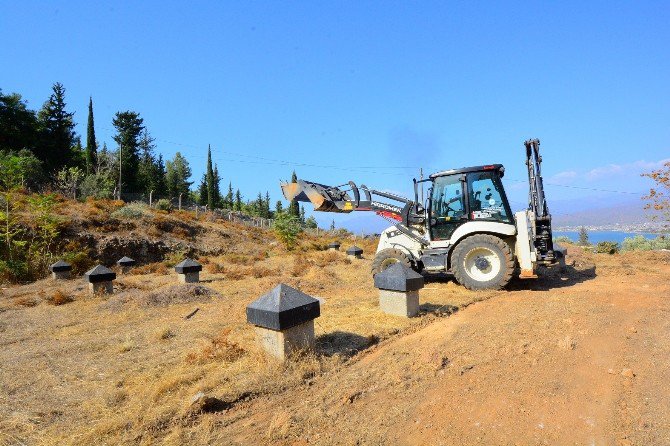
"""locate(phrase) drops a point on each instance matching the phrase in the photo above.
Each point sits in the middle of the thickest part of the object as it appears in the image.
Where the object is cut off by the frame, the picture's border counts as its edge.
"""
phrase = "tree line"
(40, 151)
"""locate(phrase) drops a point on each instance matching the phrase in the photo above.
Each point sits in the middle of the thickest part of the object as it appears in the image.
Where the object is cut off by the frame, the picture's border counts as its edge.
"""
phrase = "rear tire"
(482, 262)
(387, 257)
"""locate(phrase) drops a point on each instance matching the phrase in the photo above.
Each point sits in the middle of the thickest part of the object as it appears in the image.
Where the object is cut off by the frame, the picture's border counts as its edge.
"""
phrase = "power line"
(361, 169)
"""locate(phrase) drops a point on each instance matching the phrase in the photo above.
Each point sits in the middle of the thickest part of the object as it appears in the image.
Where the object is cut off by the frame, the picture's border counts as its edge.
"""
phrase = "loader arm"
(354, 198)
(537, 205)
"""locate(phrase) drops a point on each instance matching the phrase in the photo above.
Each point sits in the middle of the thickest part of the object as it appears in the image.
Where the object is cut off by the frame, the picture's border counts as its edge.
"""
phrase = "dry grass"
(150, 268)
(219, 348)
(301, 266)
(59, 297)
(26, 301)
(118, 374)
(214, 268)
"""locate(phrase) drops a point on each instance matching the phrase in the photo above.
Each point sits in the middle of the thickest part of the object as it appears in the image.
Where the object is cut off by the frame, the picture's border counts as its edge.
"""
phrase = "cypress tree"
(209, 175)
(217, 191)
(228, 203)
(203, 192)
(91, 144)
(238, 200)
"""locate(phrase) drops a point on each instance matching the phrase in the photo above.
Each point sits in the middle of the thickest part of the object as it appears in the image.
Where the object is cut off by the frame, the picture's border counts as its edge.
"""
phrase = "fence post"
(180, 201)
(196, 211)
(151, 198)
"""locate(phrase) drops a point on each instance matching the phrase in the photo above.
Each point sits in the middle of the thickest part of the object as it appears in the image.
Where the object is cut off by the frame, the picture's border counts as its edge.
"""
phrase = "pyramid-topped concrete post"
(284, 320)
(188, 271)
(355, 251)
(335, 246)
(99, 279)
(126, 264)
(60, 270)
(399, 290)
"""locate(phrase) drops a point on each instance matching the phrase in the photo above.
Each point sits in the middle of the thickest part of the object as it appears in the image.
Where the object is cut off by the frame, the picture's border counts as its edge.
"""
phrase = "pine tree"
(266, 204)
(160, 175)
(332, 226)
(302, 215)
(91, 144)
(18, 124)
(148, 176)
(583, 236)
(178, 173)
(259, 205)
(279, 207)
(129, 126)
(238, 201)
(293, 208)
(55, 149)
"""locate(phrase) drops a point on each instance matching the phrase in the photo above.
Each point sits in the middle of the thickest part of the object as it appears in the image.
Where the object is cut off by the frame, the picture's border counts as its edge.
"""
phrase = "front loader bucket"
(324, 198)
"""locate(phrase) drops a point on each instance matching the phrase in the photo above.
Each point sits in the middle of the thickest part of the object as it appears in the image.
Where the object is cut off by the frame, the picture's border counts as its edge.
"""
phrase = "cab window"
(447, 209)
(487, 198)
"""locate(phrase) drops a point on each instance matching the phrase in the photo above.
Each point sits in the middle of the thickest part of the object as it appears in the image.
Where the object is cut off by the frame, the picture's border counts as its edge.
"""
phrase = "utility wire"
(361, 169)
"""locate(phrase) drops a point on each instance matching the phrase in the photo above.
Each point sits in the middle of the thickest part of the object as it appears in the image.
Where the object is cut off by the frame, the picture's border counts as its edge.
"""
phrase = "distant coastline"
(596, 236)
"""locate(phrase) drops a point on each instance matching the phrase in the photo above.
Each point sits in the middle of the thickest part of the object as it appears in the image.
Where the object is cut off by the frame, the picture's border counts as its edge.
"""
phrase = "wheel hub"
(482, 263)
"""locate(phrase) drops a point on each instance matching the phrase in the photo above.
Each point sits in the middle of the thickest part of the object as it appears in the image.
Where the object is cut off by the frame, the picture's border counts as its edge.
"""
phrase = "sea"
(605, 236)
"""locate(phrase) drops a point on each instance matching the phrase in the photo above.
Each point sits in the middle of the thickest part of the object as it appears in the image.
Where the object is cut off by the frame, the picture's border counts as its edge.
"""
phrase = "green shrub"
(80, 261)
(131, 211)
(641, 243)
(563, 239)
(287, 227)
(607, 247)
(13, 271)
(164, 205)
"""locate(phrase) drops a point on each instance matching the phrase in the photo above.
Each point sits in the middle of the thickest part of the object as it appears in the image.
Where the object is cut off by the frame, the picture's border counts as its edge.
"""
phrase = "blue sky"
(374, 90)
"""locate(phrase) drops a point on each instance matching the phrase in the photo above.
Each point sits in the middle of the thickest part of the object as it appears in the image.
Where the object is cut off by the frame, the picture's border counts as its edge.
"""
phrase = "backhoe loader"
(465, 227)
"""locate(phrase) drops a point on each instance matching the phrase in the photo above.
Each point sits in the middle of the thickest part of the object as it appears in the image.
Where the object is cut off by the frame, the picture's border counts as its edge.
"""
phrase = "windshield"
(487, 197)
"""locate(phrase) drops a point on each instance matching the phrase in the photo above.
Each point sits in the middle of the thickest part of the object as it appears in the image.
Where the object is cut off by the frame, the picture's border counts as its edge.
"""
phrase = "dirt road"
(579, 359)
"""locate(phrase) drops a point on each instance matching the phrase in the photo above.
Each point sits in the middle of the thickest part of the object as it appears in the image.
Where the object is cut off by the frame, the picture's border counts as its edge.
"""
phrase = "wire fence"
(186, 203)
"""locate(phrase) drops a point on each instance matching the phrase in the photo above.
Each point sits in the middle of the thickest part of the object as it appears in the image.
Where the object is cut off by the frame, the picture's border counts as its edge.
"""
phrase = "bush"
(563, 239)
(131, 211)
(641, 243)
(164, 205)
(287, 227)
(607, 247)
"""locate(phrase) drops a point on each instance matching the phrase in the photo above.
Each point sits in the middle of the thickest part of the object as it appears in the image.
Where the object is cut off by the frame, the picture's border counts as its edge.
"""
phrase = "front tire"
(482, 262)
(387, 257)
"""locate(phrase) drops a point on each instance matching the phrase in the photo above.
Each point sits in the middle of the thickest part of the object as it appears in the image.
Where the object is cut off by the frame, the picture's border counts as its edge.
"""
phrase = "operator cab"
(459, 196)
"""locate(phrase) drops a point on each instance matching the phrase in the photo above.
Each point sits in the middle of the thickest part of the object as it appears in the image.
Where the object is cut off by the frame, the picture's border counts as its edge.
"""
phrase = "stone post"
(188, 271)
(335, 246)
(355, 251)
(284, 321)
(99, 280)
(399, 290)
(126, 264)
(60, 270)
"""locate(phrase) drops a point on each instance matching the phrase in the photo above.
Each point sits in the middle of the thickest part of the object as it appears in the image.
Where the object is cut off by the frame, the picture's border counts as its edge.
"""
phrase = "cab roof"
(499, 167)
